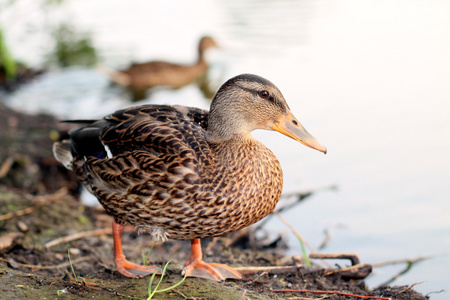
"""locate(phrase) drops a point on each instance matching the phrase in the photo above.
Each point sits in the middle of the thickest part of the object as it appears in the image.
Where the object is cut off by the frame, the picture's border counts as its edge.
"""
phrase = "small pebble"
(75, 251)
(22, 226)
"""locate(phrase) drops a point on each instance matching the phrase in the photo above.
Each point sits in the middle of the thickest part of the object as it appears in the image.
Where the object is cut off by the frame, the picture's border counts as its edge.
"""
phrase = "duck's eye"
(264, 94)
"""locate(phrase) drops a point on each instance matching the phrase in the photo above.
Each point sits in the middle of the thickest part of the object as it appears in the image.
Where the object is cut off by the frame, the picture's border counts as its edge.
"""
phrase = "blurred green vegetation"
(72, 48)
(7, 64)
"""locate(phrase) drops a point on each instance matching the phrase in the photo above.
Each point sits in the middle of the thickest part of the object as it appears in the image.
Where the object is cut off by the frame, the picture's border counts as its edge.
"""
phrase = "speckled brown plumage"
(185, 173)
(164, 175)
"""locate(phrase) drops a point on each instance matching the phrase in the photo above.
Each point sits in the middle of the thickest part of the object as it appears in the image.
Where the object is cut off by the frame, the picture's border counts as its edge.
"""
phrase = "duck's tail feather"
(117, 77)
(63, 153)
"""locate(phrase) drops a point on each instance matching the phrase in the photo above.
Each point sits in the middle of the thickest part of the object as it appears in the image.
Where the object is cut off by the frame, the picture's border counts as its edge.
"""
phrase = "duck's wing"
(150, 152)
(160, 129)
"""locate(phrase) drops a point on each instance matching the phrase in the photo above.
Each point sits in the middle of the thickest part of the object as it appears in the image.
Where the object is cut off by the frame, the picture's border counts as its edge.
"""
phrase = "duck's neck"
(226, 127)
(201, 61)
(214, 137)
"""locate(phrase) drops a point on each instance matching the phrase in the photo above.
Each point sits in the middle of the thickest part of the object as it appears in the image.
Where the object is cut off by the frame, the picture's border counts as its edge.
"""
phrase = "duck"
(140, 77)
(184, 173)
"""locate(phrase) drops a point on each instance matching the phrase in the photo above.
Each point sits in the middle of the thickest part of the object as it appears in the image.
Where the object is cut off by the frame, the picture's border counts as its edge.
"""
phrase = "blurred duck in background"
(138, 78)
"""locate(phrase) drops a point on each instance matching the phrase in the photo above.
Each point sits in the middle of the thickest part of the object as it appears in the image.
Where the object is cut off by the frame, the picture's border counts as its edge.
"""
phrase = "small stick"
(271, 269)
(300, 197)
(334, 293)
(259, 275)
(63, 265)
(402, 261)
(52, 197)
(41, 200)
(212, 244)
(180, 293)
(81, 235)
(354, 258)
(186, 297)
(297, 234)
(410, 287)
(22, 212)
(409, 264)
(302, 240)
(326, 240)
(6, 166)
(360, 271)
(241, 233)
(77, 236)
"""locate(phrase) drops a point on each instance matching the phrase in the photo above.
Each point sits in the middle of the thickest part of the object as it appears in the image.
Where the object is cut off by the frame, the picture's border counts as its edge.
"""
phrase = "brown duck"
(140, 77)
(184, 173)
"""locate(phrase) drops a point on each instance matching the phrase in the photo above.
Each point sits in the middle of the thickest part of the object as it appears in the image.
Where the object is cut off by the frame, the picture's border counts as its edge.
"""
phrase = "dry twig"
(354, 258)
(77, 236)
(62, 265)
(333, 293)
(186, 297)
(402, 261)
(359, 271)
(271, 269)
(81, 235)
(326, 240)
(243, 295)
(6, 166)
(297, 234)
(40, 200)
(409, 265)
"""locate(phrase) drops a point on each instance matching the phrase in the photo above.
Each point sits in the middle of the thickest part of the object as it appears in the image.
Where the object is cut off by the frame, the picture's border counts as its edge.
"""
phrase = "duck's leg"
(124, 266)
(196, 267)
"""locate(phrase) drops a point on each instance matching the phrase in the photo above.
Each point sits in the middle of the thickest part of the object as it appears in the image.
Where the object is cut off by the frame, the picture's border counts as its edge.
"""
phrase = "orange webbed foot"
(218, 272)
(125, 267)
(196, 267)
(132, 270)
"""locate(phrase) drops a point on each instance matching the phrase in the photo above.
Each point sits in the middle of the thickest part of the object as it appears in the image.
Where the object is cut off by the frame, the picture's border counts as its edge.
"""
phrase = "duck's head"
(248, 102)
(206, 42)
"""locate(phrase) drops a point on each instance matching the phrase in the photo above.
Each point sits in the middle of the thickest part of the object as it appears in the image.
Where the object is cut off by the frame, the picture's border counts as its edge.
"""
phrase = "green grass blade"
(71, 266)
(174, 286)
(305, 254)
(150, 293)
(145, 256)
(160, 280)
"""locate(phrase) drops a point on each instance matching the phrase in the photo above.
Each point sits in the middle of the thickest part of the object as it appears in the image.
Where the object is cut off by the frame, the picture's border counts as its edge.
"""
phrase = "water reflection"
(266, 25)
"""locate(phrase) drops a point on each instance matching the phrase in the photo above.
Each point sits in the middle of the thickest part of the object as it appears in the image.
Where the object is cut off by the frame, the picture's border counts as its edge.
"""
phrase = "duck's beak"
(291, 127)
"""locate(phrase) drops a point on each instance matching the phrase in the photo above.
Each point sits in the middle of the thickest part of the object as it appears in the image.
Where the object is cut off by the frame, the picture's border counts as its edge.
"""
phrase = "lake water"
(370, 79)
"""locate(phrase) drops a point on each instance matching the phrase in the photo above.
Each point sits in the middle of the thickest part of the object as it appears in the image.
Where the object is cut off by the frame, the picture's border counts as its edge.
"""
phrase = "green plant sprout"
(151, 292)
(145, 256)
(305, 254)
(298, 236)
(71, 266)
(6, 60)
